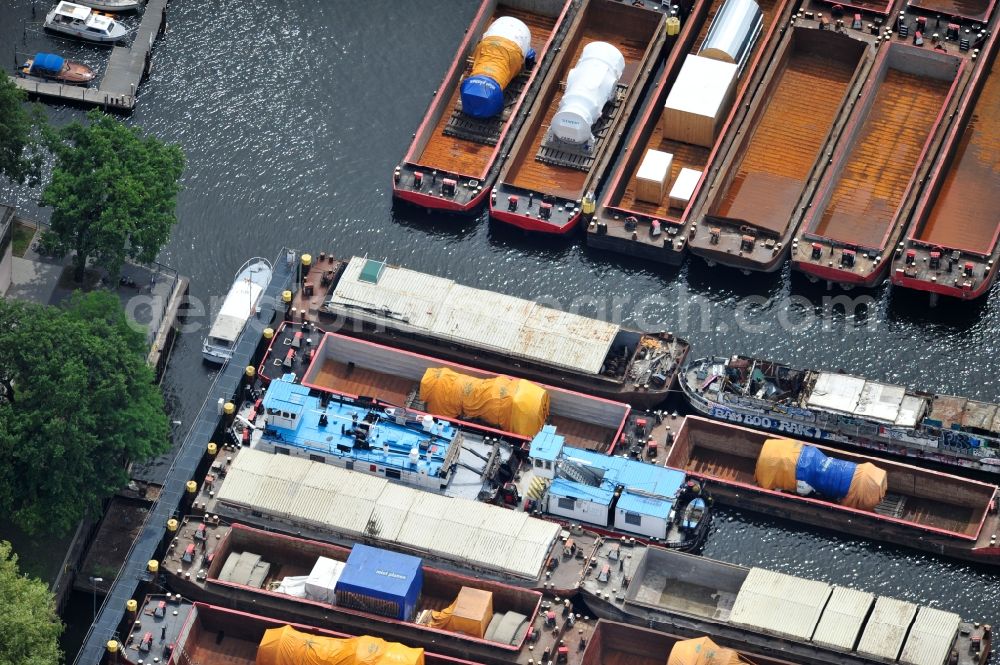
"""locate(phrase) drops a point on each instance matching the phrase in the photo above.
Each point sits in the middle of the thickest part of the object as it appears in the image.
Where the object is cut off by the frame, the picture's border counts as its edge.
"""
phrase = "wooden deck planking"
(455, 155)
(883, 157)
(216, 648)
(685, 155)
(529, 173)
(964, 214)
(778, 158)
(358, 381)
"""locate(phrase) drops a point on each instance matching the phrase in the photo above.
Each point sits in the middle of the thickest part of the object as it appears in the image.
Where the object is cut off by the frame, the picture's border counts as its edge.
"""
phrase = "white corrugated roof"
(838, 392)
(843, 617)
(880, 401)
(411, 300)
(931, 637)
(886, 628)
(354, 504)
(780, 604)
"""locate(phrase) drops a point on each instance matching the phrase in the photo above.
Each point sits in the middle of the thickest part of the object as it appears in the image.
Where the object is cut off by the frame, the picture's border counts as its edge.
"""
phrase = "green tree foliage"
(29, 627)
(113, 193)
(77, 401)
(20, 154)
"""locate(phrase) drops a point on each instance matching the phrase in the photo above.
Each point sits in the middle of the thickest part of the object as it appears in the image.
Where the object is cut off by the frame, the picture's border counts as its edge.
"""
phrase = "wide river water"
(292, 115)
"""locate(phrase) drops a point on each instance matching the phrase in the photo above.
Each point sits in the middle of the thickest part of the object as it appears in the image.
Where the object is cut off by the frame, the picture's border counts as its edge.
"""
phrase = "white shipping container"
(653, 176)
(699, 101)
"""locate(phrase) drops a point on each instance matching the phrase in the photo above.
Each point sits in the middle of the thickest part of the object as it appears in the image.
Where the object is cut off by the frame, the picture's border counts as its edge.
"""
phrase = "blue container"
(381, 582)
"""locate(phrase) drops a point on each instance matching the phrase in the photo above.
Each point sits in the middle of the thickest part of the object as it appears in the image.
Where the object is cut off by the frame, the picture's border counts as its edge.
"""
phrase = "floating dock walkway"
(126, 69)
(183, 469)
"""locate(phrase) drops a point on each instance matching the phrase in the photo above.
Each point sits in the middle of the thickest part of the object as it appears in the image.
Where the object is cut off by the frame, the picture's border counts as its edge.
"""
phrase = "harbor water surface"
(292, 115)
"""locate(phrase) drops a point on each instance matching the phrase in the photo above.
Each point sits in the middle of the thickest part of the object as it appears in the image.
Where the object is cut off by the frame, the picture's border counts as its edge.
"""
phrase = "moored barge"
(861, 205)
(616, 643)
(334, 587)
(952, 248)
(919, 508)
(753, 207)
(317, 500)
(579, 114)
(774, 615)
(432, 450)
(683, 126)
(176, 631)
(434, 315)
(838, 408)
(456, 152)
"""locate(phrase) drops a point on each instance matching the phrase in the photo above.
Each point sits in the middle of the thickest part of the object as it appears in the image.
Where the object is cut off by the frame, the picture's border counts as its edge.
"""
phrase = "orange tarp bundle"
(513, 405)
(287, 646)
(868, 487)
(776, 464)
(702, 651)
(470, 614)
(499, 58)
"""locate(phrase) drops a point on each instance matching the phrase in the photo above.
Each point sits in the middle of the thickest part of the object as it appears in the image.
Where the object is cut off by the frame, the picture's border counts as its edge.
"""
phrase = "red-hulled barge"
(625, 223)
(454, 158)
(952, 248)
(923, 509)
(543, 181)
(864, 199)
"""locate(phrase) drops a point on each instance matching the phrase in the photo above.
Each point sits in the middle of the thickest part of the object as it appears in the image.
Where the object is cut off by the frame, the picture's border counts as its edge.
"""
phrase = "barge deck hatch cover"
(474, 317)
(780, 604)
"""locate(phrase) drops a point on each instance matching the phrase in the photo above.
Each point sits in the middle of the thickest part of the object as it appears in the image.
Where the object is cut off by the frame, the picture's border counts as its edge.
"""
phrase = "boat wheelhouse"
(84, 23)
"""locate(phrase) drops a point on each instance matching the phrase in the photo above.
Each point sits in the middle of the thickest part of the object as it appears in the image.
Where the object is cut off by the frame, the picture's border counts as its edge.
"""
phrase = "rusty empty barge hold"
(652, 195)
(550, 168)
(454, 157)
(952, 246)
(754, 207)
(864, 199)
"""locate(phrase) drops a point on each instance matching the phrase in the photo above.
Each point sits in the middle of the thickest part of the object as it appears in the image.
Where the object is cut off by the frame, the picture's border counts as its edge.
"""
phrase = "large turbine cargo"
(498, 58)
(591, 84)
(287, 646)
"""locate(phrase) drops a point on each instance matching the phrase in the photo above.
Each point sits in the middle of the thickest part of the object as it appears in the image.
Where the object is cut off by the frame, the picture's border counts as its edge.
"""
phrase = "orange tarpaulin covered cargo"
(776, 464)
(702, 651)
(470, 614)
(868, 487)
(513, 405)
(287, 646)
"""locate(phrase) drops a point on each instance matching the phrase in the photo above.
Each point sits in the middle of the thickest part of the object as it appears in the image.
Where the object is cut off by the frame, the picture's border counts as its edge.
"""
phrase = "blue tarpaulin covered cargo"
(48, 62)
(381, 582)
(794, 466)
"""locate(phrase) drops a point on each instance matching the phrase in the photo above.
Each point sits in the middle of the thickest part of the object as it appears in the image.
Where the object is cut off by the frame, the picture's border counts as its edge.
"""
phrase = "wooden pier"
(126, 69)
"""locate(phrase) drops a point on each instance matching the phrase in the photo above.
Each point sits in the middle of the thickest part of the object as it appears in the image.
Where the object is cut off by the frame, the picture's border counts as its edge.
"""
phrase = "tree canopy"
(77, 401)
(29, 627)
(113, 192)
(20, 154)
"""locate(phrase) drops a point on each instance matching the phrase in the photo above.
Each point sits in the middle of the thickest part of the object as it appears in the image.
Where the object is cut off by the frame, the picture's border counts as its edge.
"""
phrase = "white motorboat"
(240, 304)
(85, 23)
